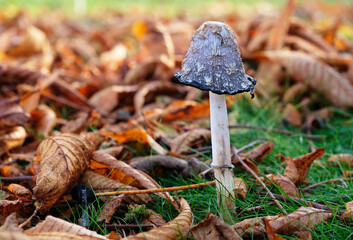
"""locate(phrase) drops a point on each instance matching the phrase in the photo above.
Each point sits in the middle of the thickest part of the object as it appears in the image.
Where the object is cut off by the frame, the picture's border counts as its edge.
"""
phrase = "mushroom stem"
(221, 156)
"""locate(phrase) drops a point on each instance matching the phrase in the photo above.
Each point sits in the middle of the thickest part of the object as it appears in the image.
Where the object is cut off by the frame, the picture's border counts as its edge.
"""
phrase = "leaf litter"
(90, 101)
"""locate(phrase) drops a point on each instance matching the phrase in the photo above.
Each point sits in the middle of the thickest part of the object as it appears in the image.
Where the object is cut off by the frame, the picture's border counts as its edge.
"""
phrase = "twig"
(258, 207)
(114, 225)
(30, 218)
(157, 190)
(253, 143)
(301, 201)
(281, 131)
(17, 179)
(257, 178)
(322, 183)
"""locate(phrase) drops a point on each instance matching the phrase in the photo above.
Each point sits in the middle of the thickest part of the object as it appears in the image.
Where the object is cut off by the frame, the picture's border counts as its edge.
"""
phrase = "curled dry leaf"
(7, 207)
(56, 225)
(19, 191)
(248, 162)
(287, 185)
(240, 187)
(291, 171)
(152, 89)
(170, 230)
(343, 158)
(11, 138)
(14, 235)
(100, 183)
(107, 212)
(43, 119)
(11, 113)
(187, 140)
(252, 227)
(163, 166)
(349, 210)
(316, 74)
(79, 123)
(302, 219)
(260, 152)
(214, 228)
(107, 165)
(109, 98)
(292, 115)
(154, 218)
(304, 162)
(63, 159)
(270, 233)
(11, 224)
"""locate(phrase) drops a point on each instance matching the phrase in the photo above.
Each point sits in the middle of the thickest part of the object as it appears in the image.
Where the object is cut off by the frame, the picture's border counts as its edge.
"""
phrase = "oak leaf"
(63, 159)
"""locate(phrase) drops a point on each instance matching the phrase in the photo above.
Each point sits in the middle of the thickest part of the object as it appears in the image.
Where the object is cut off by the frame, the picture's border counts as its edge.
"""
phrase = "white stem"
(221, 155)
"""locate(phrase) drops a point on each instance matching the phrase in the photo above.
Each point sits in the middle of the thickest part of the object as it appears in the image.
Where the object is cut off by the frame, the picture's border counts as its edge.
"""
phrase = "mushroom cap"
(213, 62)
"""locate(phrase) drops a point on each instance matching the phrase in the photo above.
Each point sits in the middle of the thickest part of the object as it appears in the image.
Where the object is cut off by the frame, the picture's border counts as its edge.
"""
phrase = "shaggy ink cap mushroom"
(213, 62)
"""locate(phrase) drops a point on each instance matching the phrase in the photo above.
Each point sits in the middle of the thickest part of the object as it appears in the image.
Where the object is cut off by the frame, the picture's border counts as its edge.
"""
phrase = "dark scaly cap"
(213, 62)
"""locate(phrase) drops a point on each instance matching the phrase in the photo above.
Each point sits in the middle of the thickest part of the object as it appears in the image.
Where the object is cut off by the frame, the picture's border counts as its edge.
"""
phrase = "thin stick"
(258, 207)
(301, 201)
(30, 218)
(257, 178)
(157, 190)
(323, 182)
(253, 143)
(16, 179)
(281, 131)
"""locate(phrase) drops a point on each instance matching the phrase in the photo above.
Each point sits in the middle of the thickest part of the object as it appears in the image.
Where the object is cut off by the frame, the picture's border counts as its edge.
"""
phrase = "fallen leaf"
(318, 75)
(270, 233)
(14, 235)
(240, 187)
(43, 119)
(286, 185)
(214, 228)
(8, 207)
(304, 162)
(170, 230)
(109, 208)
(56, 225)
(260, 152)
(63, 159)
(187, 140)
(344, 158)
(20, 191)
(100, 183)
(247, 161)
(154, 218)
(11, 113)
(130, 135)
(302, 219)
(291, 171)
(11, 138)
(292, 115)
(11, 224)
(252, 227)
(79, 122)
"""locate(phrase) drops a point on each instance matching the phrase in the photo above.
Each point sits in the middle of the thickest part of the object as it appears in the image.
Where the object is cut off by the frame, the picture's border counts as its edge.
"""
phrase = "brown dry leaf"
(130, 135)
(163, 166)
(270, 233)
(304, 162)
(291, 171)
(170, 230)
(56, 225)
(117, 151)
(14, 235)
(29, 40)
(20, 191)
(187, 140)
(11, 113)
(109, 98)
(300, 220)
(349, 210)
(154, 218)
(107, 212)
(305, 235)
(344, 158)
(214, 228)
(7, 207)
(318, 116)
(11, 224)
(30, 101)
(240, 187)
(260, 152)
(252, 227)
(287, 185)
(11, 138)
(248, 162)
(292, 115)
(148, 92)
(63, 159)
(79, 122)
(100, 183)
(107, 165)
(316, 74)
(294, 92)
(43, 119)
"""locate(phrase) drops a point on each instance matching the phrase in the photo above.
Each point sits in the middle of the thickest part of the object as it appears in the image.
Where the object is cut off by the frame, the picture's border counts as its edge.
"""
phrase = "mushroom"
(213, 63)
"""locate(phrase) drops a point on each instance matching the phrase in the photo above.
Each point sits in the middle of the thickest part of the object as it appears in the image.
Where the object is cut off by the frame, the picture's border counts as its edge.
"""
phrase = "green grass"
(337, 134)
